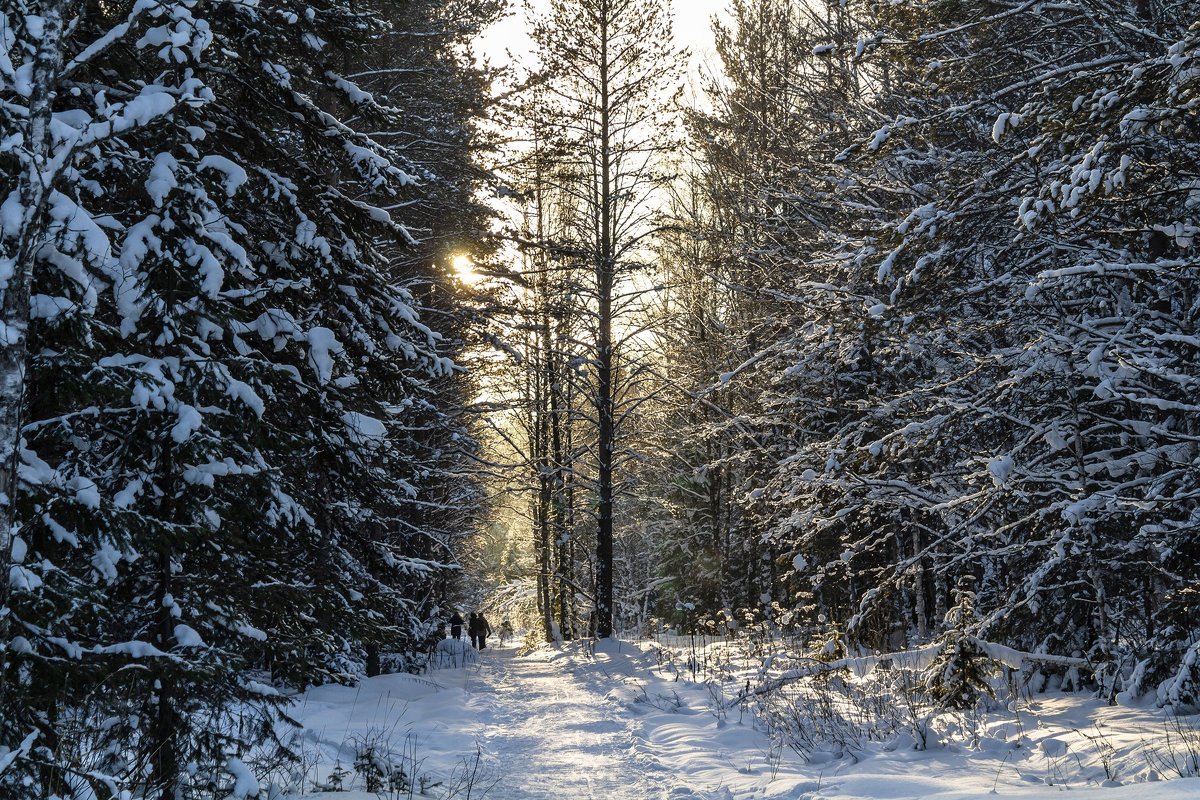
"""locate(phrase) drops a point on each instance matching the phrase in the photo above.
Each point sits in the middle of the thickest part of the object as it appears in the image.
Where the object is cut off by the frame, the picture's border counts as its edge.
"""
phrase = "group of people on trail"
(477, 628)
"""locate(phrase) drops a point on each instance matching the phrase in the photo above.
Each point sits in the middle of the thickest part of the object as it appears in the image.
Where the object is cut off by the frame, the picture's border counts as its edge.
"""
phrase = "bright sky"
(691, 26)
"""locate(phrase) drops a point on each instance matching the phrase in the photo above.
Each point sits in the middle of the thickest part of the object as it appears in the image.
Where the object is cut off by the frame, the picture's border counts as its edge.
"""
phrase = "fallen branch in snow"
(917, 659)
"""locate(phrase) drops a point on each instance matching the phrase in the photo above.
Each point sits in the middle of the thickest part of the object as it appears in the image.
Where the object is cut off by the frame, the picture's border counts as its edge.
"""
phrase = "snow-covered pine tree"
(608, 83)
(542, 316)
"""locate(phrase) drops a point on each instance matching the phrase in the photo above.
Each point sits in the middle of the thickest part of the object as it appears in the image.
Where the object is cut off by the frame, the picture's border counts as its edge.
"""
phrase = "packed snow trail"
(551, 733)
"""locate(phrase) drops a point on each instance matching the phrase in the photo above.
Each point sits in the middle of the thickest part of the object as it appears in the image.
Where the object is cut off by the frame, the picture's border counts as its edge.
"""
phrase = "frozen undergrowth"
(853, 716)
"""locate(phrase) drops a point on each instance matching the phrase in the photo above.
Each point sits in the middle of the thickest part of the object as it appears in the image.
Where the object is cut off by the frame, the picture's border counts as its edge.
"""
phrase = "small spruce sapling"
(961, 674)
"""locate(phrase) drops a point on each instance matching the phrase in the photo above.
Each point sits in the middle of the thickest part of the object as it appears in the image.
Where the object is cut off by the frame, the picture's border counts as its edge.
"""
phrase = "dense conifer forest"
(875, 329)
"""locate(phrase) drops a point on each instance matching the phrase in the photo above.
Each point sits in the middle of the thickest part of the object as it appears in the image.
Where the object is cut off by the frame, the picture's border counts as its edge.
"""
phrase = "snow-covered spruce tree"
(423, 65)
(718, 279)
(66, 138)
(960, 676)
(807, 349)
(887, 328)
(1117, 302)
(225, 387)
(694, 513)
(1076, 362)
(992, 276)
(419, 91)
(1173, 651)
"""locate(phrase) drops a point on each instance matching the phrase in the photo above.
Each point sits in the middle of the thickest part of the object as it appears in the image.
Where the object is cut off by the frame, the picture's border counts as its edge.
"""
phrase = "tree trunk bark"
(919, 591)
(562, 535)
(163, 747)
(16, 277)
(605, 278)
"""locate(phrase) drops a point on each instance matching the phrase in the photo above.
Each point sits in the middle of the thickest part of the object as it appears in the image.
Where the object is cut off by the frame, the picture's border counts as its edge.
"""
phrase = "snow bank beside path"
(721, 753)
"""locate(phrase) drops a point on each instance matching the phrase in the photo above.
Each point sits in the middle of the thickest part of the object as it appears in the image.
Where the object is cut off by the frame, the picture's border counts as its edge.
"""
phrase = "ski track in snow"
(553, 735)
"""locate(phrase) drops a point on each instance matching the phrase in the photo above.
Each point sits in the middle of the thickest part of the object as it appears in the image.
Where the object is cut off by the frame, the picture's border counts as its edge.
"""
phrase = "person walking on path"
(482, 631)
(456, 623)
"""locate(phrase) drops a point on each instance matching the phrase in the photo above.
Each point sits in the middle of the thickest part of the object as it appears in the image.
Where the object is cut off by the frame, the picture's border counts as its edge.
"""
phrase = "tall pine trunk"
(605, 268)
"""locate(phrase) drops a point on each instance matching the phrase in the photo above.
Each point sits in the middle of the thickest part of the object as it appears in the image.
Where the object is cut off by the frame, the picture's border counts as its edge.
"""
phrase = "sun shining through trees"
(464, 270)
(865, 334)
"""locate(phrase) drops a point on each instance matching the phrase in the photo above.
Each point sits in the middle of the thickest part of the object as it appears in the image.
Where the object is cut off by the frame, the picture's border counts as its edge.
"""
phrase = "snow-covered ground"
(567, 724)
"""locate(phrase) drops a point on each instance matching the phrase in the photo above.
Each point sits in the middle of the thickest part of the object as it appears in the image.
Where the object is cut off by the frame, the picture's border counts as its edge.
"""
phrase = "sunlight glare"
(464, 270)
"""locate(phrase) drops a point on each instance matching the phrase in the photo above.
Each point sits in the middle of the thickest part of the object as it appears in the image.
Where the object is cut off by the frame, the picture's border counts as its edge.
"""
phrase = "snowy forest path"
(553, 733)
